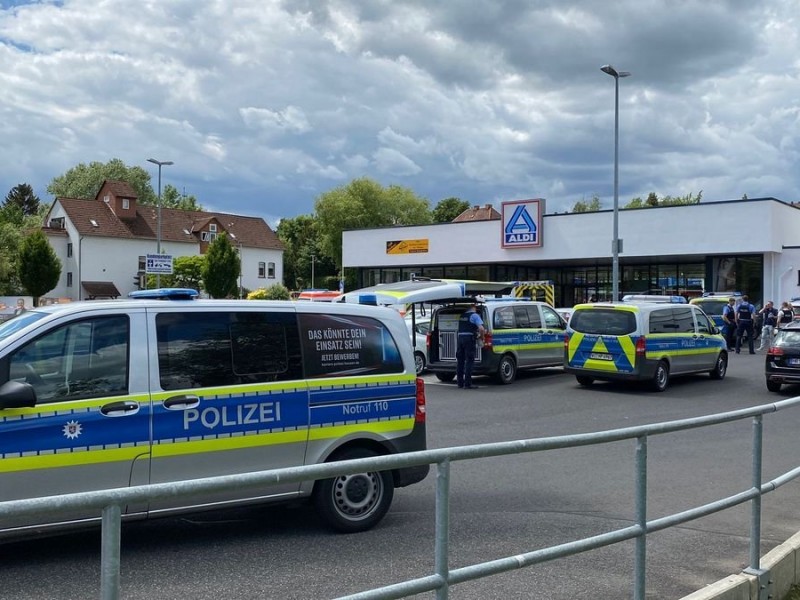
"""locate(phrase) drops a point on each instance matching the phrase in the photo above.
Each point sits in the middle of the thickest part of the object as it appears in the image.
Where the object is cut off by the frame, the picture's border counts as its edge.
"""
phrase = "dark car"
(783, 359)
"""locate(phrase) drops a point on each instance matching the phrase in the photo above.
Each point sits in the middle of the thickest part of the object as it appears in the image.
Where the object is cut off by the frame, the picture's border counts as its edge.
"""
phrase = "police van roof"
(654, 298)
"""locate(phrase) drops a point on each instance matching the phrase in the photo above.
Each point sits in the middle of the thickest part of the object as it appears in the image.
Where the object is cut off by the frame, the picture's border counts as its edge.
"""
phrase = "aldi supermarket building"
(752, 246)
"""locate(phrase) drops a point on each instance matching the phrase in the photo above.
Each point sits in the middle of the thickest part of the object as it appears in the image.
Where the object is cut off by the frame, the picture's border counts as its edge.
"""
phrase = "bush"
(273, 292)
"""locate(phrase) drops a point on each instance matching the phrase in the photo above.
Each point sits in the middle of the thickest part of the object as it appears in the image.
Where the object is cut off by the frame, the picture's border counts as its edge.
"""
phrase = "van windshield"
(14, 324)
(600, 321)
(712, 307)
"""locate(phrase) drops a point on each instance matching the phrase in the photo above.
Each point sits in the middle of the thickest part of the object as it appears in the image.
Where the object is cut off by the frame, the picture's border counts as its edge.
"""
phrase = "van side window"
(551, 318)
(521, 316)
(212, 349)
(661, 321)
(534, 320)
(504, 318)
(347, 345)
(83, 359)
(704, 325)
(684, 320)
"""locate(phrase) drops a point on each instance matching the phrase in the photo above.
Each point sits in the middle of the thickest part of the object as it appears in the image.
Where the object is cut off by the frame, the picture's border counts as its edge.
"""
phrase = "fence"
(111, 501)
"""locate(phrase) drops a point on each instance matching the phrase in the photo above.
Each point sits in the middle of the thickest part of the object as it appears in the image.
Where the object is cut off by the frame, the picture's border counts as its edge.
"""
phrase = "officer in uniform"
(744, 324)
(470, 330)
(729, 318)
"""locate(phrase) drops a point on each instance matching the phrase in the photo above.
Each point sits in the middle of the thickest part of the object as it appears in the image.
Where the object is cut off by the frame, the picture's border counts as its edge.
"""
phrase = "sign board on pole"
(159, 264)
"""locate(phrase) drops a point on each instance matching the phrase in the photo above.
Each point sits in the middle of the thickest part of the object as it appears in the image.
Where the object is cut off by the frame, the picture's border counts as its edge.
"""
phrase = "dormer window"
(212, 227)
(126, 204)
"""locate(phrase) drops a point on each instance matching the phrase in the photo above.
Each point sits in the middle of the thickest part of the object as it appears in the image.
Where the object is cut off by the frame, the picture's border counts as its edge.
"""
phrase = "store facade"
(683, 250)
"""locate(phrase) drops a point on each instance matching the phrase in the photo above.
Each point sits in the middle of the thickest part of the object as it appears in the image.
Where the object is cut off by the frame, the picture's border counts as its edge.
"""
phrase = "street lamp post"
(615, 242)
(313, 260)
(160, 163)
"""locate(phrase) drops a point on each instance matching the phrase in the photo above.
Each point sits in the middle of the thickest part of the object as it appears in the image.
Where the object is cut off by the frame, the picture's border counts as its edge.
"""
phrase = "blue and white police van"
(109, 394)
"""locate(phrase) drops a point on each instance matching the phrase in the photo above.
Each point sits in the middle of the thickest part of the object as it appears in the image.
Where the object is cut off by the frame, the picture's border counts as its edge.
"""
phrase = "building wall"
(765, 227)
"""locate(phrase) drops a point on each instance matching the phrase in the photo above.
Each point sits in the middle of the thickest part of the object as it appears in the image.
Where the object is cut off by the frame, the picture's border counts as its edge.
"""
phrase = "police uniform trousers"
(465, 357)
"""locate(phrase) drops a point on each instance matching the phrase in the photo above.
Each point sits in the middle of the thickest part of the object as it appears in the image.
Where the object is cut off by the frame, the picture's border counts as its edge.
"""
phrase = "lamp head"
(609, 70)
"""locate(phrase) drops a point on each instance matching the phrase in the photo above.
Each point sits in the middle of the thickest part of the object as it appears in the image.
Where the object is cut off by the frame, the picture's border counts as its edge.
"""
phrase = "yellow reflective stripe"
(73, 458)
(69, 406)
(574, 342)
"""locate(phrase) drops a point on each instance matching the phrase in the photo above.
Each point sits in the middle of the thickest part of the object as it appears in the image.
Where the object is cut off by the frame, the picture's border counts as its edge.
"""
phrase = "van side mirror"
(16, 394)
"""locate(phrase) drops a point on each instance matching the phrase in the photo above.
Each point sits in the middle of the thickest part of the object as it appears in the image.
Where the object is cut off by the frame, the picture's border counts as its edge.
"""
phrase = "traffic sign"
(160, 264)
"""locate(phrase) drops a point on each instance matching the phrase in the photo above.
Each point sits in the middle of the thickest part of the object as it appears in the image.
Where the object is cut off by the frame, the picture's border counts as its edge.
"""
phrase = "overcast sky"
(265, 104)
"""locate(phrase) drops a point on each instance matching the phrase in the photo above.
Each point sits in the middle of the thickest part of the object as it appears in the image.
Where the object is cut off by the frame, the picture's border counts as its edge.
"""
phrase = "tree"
(221, 269)
(39, 267)
(84, 181)
(448, 209)
(361, 204)
(172, 198)
(592, 206)
(187, 272)
(299, 237)
(22, 198)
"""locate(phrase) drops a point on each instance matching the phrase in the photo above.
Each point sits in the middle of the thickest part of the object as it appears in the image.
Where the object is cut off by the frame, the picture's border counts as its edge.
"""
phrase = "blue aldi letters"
(521, 229)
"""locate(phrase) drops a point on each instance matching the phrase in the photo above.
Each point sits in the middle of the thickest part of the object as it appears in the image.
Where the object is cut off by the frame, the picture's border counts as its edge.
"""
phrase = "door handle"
(182, 402)
(118, 409)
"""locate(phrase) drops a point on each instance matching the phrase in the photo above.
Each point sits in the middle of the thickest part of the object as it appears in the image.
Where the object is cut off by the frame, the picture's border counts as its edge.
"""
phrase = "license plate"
(794, 361)
(600, 356)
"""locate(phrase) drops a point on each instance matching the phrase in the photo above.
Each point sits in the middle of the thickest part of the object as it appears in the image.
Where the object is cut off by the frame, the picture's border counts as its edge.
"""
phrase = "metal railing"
(111, 501)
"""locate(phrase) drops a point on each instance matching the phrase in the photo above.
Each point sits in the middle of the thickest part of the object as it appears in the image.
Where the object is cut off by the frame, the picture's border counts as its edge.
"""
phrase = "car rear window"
(602, 321)
(712, 307)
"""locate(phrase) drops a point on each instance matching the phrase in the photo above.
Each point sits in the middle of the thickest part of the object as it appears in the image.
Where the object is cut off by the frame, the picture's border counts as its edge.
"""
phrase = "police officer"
(470, 330)
(770, 315)
(744, 324)
(729, 318)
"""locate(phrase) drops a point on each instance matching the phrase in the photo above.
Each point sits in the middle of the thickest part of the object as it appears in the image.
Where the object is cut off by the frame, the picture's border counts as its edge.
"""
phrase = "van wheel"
(419, 362)
(352, 503)
(445, 376)
(584, 380)
(773, 386)
(507, 370)
(719, 370)
(660, 377)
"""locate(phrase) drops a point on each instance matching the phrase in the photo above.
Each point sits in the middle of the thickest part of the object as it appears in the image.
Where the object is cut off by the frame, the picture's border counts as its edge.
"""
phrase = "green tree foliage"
(187, 272)
(21, 199)
(300, 238)
(653, 200)
(221, 269)
(172, 198)
(84, 181)
(39, 267)
(592, 206)
(361, 204)
(448, 209)
(277, 291)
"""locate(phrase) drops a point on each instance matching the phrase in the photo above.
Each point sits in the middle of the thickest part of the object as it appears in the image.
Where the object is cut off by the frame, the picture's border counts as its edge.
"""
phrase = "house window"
(69, 249)
(262, 267)
(69, 279)
(126, 204)
(212, 227)
(271, 271)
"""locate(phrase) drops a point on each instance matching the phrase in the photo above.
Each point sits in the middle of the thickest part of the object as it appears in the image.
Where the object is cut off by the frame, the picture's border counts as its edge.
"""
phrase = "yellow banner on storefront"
(406, 246)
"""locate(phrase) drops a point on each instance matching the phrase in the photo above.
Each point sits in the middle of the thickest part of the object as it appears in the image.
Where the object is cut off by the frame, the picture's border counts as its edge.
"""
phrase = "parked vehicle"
(421, 327)
(782, 365)
(642, 342)
(520, 334)
(107, 394)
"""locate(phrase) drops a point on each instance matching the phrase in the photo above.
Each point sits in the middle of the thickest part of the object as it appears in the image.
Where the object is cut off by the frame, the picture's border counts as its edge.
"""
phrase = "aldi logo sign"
(522, 223)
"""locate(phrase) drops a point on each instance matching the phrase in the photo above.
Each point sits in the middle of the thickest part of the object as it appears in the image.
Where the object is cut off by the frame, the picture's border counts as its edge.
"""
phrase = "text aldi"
(522, 223)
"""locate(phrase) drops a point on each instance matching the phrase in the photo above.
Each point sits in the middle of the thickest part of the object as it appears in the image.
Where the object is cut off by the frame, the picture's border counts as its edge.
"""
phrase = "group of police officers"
(739, 318)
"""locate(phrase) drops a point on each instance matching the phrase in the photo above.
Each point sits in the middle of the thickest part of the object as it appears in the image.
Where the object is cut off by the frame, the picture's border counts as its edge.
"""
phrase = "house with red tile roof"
(103, 242)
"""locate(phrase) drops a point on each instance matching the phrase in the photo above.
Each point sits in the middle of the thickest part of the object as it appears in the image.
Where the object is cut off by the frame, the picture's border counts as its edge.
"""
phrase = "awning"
(100, 289)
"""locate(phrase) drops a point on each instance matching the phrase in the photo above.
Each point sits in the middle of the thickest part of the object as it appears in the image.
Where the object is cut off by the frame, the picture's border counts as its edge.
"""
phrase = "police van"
(642, 342)
(520, 334)
(109, 394)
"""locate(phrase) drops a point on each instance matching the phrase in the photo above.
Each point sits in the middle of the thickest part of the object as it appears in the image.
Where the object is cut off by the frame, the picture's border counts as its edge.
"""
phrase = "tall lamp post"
(160, 163)
(313, 260)
(615, 242)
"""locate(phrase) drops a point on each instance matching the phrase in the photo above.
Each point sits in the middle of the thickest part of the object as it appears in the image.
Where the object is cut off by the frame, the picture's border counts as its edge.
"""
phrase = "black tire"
(507, 370)
(353, 503)
(660, 379)
(720, 368)
(419, 362)
(773, 386)
(584, 380)
(445, 376)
